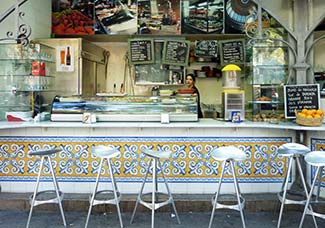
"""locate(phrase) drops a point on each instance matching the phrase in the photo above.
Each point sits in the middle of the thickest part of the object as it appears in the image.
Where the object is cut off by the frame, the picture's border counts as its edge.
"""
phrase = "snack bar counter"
(125, 108)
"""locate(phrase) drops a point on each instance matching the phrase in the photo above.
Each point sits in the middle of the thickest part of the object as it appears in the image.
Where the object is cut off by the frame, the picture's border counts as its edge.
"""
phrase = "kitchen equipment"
(230, 78)
(233, 101)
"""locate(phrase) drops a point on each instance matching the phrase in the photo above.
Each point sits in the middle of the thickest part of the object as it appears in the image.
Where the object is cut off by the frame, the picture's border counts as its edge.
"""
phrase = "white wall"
(37, 15)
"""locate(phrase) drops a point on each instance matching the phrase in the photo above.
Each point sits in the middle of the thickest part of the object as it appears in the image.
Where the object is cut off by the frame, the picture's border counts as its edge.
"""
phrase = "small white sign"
(164, 118)
(65, 59)
(89, 118)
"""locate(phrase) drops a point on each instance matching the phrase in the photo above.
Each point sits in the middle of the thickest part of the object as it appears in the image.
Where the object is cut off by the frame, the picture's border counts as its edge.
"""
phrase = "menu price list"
(206, 48)
(298, 97)
(232, 51)
(141, 51)
(176, 52)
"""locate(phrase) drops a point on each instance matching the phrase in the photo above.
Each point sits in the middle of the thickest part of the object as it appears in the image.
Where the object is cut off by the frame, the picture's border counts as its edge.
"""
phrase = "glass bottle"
(68, 57)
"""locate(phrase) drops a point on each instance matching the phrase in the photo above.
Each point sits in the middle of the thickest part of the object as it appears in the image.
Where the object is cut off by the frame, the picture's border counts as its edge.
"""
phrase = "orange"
(309, 116)
(304, 110)
(317, 116)
(309, 112)
(319, 111)
(300, 114)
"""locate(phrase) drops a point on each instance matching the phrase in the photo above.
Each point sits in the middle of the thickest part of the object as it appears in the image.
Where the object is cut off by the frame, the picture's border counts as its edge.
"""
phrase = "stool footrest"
(237, 207)
(290, 201)
(158, 204)
(39, 201)
(106, 200)
(319, 215)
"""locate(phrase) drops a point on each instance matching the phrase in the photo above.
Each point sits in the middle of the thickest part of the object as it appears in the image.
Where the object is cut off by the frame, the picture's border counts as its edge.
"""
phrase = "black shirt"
(196, 91)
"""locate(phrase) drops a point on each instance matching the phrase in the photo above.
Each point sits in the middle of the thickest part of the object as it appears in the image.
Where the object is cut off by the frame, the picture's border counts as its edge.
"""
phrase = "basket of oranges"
(310, 117)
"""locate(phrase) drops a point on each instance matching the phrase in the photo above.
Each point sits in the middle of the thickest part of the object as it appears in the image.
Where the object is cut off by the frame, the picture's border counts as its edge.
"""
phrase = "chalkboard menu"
(176, 52)
(297, 97)
(141, 51)
(206, 48)
(232, 51)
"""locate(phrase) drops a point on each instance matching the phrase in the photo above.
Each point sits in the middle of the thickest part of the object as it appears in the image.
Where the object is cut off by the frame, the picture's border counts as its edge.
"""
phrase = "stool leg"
(170, 195)
(237, 192)
(284, 189)
(94, 191)
(319, 183)
(140, 193)
(35, 192)
(115, 192)
(309, 198)
(154, 189)
(305, 187)
(57, 189)
(217, 194)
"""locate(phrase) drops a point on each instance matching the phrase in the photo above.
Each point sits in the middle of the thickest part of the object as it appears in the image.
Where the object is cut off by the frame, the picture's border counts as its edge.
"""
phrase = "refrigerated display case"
(27, 75)
(125, 108)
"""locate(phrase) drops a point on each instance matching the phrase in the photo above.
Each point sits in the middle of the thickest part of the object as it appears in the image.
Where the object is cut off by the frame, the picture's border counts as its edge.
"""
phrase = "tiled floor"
(223, 219)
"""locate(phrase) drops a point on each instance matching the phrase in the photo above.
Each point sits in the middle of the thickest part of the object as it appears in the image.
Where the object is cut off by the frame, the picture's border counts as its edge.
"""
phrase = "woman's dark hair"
(192, 76)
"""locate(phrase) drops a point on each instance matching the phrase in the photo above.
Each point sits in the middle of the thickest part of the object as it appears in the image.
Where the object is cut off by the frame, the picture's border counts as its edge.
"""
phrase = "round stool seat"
(105, 151)
(315, 158)
(228, 152)
(44, 152)
(156, 154)
(289, 149)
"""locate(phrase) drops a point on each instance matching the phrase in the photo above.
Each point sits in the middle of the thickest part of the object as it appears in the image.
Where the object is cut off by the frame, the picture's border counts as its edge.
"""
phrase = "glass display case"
(25, 73)
(270, 70)
(125, 108)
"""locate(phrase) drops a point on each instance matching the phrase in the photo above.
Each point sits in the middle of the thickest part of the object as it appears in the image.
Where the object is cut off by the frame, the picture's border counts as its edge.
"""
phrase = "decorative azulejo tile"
(317, 144)
(190, 162)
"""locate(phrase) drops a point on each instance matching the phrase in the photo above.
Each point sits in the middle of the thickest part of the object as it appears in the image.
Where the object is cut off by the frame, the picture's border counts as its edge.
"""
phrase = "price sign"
(297, 97)
(141, 51)
(232, 51)
(176, 52)
(206, 48)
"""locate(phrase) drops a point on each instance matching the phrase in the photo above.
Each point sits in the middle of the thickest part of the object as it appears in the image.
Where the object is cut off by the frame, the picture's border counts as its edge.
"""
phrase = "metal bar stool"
(104, 196)
(228, 154)
(316, 159)
(155, 203)
(293, 151)
(46, 196)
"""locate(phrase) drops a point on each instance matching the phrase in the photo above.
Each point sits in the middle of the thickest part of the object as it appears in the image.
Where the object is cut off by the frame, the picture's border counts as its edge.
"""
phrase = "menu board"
(141, 51)
(206, 48)
(297, 97)
(176, 52)
(232, 51)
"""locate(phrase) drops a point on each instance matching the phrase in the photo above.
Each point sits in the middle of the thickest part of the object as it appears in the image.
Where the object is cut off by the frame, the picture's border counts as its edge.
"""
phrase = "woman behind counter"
(190, 82)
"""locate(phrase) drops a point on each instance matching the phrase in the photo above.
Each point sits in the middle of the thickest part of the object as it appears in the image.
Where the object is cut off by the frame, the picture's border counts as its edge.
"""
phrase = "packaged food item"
(235, 116)
(38, 68)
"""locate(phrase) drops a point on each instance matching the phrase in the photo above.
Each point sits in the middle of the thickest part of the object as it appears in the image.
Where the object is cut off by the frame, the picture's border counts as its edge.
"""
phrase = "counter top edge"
(202, 123)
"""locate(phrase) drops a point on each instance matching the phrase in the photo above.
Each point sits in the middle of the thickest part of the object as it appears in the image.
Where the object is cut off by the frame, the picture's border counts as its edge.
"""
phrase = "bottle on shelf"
(275, 98)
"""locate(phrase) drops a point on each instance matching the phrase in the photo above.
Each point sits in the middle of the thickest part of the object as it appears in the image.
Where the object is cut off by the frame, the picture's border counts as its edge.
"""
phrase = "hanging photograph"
(72, 17)
(159, 17)
(202, 17)
(116, 17)
(236, 14)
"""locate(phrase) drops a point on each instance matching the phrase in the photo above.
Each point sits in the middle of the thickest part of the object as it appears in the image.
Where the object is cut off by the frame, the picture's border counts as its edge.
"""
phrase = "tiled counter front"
(190, 169)
(317, 142)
